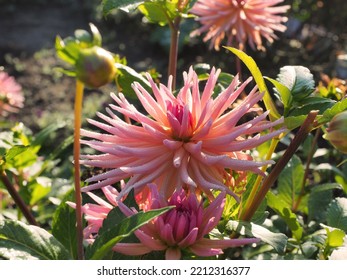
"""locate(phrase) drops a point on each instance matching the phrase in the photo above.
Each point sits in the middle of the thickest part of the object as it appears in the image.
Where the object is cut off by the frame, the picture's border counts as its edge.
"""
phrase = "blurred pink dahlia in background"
(191, 140)
(11, 96)
(239, 21)
(184, 227)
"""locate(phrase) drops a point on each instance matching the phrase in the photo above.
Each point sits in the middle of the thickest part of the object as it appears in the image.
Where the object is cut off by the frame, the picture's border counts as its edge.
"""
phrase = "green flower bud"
(95, 67)
(337, 132)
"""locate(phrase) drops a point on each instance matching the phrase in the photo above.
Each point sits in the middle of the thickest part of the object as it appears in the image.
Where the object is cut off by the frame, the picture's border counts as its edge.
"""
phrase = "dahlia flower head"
(11, 96)
(182, 229)
(190, 140)
(239, 21)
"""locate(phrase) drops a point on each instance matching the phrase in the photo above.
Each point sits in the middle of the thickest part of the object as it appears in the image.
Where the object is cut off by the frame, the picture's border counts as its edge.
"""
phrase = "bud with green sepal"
(92, 65)
(336, 132)
(95, 67)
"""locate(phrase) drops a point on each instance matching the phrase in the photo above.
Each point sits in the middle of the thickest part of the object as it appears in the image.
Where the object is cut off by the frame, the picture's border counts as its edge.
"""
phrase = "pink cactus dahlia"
(182, 228)
(239, 20)
(11, 96)
(191, 140)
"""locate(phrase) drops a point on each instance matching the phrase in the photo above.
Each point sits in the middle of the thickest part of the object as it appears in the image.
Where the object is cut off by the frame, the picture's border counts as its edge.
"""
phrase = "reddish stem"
(307, 170)
(276, 171)
(174, 28)
(17, 199)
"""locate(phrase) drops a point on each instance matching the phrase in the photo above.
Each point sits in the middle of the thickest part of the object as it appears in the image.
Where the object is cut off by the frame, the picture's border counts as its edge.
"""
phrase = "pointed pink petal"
(111, 194)
(215, 209)
(166, 234)
(149, 241)
(189, 239)
(201, 250)
(131, 249)
(100, 201)
(225, 243)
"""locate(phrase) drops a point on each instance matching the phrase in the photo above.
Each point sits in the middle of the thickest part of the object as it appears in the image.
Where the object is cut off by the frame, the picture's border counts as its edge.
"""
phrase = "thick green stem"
(78, 195)
(276, 171)
(17, 199)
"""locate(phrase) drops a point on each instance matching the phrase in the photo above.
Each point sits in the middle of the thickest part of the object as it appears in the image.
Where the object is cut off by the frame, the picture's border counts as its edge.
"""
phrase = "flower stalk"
(17, 199)
(175, 32)
(254, 191)
(76, 156)
(276, 171)
(307, 169)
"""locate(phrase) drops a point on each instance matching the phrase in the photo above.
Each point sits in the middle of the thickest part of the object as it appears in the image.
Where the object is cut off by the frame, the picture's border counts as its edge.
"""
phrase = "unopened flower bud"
(95, 67)
(337, 132)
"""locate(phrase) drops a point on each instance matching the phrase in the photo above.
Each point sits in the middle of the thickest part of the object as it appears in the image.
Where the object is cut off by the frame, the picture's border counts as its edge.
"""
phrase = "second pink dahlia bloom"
(183, 228)
(11, 96)
(192, 139)
(239, 21)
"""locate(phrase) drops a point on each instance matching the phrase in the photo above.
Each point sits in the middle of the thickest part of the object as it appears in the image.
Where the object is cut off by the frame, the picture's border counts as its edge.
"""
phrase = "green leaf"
(253, 68)
(290, 181)
(21, 241)
(202, 69)
(154, 12)
(286, 213)
(312, 103)
(309, 248)
(39, 188)
(337, 213)
(109, 5)
(62, 53)
(64, 224)
(326, 187)
(67, 49)
(294, 122)
(342, 181)
(335, 237)
(84, 36)
(117, 215)
(284, 92)
(126, 76)
(224, 80)
(331, 112)
(15, 151)
(331, 168)
(20, 156)
(298, 79)
(122, 227)
(319, 199)
(97, 39)
(277, 240)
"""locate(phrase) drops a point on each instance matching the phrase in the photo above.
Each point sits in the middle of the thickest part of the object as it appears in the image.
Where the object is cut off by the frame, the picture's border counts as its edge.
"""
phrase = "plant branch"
(307, 170)
(273, 145)
(78, 195)
(276, 171)
(174, 28)
(17, 199)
